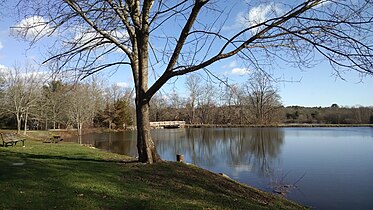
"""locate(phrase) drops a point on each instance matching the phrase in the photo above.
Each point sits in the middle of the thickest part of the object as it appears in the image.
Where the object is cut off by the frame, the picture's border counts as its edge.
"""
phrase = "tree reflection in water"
(244, 148)
(116, 142)
(240, 149)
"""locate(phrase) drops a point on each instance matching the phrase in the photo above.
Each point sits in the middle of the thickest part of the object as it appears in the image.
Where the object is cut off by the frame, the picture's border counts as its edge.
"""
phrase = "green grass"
(70, 176)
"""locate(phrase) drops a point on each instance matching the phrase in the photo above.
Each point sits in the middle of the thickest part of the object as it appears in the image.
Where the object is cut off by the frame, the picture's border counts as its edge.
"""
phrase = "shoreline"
(295, 125)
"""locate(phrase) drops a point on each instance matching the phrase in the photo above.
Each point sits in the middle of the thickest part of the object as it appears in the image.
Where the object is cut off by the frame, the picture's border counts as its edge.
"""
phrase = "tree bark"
(18, 123)
(145, 145)
(25, 128)
(80, 126)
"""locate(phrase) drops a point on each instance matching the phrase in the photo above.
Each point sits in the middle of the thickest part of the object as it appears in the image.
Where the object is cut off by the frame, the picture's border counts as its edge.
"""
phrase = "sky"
(316, 86)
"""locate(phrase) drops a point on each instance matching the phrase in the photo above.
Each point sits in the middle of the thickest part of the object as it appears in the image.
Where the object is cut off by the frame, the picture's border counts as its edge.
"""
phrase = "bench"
(11, 139)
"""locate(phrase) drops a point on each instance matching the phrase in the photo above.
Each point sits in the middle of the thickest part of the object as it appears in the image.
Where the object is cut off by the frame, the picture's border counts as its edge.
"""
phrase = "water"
(324, 168)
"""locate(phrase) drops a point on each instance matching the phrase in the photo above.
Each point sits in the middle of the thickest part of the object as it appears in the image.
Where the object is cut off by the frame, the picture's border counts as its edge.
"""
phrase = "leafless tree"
(233, 97)
(206, 102)
(179, 37)
(22, 91)
(158, 104)
(81, 102)
(176, 103)
(361, 114)
(54, 99)
(193, 85)
(263, 101)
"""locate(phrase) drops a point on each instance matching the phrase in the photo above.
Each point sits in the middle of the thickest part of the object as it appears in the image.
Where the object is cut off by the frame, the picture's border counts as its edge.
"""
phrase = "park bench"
(11, 139)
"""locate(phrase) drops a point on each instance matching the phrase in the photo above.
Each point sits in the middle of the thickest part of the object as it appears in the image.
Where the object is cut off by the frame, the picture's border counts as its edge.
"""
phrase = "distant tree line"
(31, 102)
(241, 115)
(328, 115)
(255, 102)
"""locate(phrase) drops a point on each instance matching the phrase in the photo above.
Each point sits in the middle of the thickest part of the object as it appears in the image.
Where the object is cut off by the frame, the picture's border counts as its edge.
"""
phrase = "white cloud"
(241, 19)
(240, 71)
(31, 28)
(90, 38)
(231, 65)
(260, 13)
(2, 67)
(323, 3)
(1, 45)
(11, 74)
(235, 70)
(122, 84)
(4, 71)
(84, 36)
(256, 15)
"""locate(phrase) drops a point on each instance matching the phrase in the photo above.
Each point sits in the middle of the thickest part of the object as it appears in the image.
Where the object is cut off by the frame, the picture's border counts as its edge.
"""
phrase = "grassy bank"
(70, 176)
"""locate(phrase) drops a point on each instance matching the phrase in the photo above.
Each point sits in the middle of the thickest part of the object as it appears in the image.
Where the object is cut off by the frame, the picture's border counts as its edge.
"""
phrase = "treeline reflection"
(251, 149)
(245, 148)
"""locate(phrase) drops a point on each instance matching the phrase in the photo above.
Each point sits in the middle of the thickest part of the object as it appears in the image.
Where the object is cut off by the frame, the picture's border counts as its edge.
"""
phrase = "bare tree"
(176, 103)
(361, 114)
(81, 105)
(140, 30)
(193, 85)
(232, 104)
(54, 94)
(206, 102)
(263, 101)
(158, 104)
(22, 89)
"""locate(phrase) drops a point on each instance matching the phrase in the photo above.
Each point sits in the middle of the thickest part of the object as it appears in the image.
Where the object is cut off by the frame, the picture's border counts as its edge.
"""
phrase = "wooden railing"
(167, 124)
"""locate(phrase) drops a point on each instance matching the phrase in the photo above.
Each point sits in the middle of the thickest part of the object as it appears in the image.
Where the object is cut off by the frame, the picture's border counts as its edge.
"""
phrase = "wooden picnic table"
(57, 138)
(53, 139)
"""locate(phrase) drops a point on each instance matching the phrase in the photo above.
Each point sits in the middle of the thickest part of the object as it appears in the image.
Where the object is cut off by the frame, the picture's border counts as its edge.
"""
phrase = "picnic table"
(54, 139)
(11, 139)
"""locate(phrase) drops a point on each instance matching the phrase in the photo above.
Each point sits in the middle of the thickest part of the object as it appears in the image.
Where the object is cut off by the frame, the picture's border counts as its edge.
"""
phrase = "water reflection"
(244, 149)
(116, 142)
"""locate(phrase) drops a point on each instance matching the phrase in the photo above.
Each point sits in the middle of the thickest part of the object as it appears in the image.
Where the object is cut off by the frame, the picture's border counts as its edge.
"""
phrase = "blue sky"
(315, 86)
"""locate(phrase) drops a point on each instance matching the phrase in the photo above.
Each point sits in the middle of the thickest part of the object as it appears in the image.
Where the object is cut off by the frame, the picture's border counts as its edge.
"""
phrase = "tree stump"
(179, 158)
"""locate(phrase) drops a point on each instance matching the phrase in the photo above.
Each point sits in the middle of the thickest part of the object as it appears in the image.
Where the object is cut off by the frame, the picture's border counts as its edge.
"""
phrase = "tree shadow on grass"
(58, 182)
(61, 157)
(193, 187)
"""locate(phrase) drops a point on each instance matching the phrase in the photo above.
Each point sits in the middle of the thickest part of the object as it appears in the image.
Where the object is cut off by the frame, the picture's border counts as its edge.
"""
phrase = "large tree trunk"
(145, 145)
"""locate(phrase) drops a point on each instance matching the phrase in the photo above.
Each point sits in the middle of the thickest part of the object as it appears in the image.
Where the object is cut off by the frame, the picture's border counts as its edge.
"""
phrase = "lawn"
(70, 176)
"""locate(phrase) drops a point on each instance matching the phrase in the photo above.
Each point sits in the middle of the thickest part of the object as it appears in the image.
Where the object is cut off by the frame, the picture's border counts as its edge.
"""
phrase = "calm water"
(325, 168)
